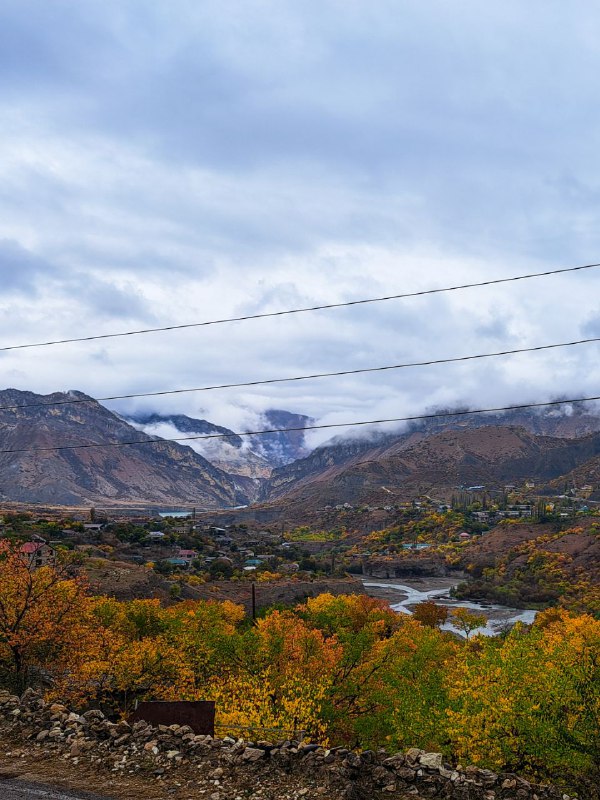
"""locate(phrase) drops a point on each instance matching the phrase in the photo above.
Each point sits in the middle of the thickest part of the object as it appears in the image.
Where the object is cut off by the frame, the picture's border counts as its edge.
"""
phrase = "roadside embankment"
(190, 765)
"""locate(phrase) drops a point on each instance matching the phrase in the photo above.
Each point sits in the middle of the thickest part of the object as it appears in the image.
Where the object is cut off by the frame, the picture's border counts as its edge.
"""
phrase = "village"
(188, 548)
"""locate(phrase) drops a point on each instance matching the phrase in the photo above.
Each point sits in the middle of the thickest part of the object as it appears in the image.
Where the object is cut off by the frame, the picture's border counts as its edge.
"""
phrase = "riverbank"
(404, 595)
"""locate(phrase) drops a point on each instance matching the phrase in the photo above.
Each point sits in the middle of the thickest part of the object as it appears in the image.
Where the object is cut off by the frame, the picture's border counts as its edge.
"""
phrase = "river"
(403, 596)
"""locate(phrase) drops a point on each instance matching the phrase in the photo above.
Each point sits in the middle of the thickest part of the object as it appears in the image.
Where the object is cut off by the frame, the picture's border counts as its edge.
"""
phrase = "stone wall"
(334, 773)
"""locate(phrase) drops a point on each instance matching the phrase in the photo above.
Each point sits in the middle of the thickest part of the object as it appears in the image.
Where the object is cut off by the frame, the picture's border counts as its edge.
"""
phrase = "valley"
(324, 589)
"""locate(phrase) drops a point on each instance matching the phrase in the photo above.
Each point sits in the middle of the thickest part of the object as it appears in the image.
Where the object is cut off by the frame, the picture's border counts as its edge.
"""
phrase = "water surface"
(403, 596)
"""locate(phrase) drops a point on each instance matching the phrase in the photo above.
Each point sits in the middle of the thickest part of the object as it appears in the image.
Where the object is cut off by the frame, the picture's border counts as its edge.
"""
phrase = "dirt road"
(15, 789)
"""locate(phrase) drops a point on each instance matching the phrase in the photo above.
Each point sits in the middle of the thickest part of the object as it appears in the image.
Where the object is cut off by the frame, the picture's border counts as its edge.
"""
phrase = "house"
(187, 555)
(156, 535)
(38, 554)
(178, 562)
(253, 562)
(292, 566)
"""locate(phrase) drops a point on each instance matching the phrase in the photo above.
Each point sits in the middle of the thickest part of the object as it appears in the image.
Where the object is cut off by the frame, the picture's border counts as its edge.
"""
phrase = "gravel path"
(24, 790)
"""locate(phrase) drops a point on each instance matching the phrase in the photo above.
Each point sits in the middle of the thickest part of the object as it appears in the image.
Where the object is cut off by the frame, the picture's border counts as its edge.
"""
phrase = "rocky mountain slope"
(432, 456)
(566, 422)
(436, 464)
(158, 473)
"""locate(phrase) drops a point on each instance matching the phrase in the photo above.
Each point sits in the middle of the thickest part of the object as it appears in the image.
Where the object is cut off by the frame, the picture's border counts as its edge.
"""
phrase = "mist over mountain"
(185, 424)
(252, 456)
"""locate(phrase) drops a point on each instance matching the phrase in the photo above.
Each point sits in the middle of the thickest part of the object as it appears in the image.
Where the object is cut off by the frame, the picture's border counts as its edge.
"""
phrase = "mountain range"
(153, 471)
(439, 454)
(555, 446)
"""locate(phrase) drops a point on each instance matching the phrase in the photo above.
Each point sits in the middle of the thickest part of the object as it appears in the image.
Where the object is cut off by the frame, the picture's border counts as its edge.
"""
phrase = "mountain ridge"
(162, 472)
(428, 456)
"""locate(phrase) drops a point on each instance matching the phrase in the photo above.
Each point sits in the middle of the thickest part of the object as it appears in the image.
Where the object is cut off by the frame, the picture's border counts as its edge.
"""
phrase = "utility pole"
(253, 601)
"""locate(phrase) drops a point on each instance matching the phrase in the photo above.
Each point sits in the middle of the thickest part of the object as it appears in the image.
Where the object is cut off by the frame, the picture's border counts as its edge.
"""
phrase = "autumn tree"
(279, 679)
(431, 614)
(530, 702)
(140, 650)
(466, 621)
(40, 612)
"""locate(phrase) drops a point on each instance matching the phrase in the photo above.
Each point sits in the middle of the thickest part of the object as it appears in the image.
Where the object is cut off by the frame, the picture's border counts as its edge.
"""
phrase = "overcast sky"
(179, 160)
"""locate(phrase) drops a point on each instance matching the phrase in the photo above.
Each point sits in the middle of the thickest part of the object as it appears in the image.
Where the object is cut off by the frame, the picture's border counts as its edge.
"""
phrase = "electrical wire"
(323, 307)
(331, 425)
(296, 378)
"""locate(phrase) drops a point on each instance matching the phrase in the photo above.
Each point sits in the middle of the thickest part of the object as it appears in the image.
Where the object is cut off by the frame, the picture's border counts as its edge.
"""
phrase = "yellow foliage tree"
(532, 701)
(40, 613)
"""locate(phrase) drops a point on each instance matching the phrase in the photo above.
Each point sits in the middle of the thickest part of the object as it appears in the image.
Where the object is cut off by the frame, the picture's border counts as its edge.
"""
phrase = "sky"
(185, 160)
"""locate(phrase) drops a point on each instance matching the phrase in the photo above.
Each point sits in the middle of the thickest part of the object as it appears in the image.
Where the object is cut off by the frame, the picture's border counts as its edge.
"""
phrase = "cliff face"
(150, 473)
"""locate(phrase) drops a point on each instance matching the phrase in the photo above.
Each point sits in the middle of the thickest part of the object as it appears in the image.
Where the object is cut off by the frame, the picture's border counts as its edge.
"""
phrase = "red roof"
(187, 554)
(31, 547)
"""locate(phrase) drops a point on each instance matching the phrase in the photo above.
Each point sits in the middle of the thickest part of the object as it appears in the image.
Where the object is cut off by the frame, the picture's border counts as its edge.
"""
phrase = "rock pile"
(161, 751)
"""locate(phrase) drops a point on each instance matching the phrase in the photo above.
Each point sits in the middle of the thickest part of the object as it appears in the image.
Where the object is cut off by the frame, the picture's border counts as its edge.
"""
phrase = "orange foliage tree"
(429, 613)
(40, 614)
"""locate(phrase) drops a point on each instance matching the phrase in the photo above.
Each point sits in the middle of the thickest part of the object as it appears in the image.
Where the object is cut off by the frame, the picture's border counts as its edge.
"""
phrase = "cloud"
(175, 162)
(21, 270)
(107, 300)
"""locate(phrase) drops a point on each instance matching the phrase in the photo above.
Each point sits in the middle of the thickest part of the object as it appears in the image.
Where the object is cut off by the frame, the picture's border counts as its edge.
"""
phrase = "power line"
(297, 378)
(436, 415)
(323, 307)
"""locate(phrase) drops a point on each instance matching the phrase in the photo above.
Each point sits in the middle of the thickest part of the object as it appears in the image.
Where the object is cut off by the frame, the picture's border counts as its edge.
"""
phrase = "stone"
(253, 754)
(381, 776)
(93, 714)
(351, 761)
(431, 760)
(412, 755)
